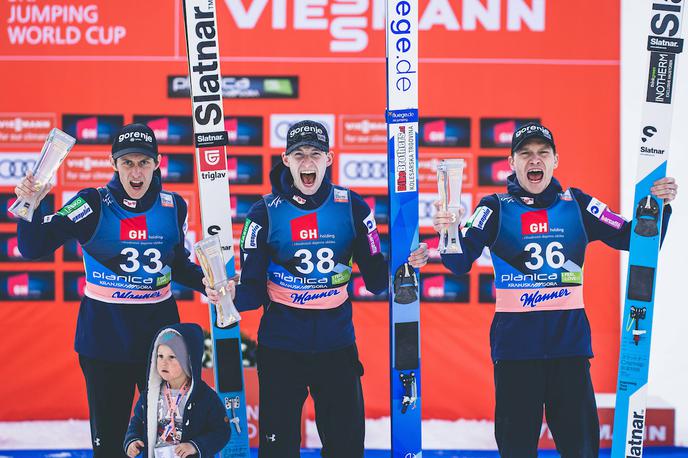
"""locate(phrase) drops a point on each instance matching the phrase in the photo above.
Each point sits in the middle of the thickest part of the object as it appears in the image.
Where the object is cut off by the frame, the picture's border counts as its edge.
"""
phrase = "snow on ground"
(74, 435)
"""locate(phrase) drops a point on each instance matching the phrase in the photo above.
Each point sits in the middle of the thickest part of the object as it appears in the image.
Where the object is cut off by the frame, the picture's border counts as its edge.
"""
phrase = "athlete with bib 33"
(132, 235)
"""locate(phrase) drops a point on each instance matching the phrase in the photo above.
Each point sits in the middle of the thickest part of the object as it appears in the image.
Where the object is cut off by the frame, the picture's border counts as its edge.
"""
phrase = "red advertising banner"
(486, 67)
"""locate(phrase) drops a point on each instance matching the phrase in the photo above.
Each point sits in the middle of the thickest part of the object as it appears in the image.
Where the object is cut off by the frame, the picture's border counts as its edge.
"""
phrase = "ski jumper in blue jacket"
(132, 249)
(540, 335)
(297, 253)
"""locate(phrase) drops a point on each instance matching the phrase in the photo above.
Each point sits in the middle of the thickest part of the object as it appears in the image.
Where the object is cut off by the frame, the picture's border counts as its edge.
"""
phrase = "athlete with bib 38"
(537, 234)
(298, 246)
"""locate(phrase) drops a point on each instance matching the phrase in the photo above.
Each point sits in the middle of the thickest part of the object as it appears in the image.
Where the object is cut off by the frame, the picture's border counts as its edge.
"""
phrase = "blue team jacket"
(110, 331)
(538, 334)
(293, 329)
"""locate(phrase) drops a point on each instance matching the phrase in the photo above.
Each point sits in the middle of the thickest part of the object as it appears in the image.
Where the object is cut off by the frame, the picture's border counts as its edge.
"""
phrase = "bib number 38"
(325, 260)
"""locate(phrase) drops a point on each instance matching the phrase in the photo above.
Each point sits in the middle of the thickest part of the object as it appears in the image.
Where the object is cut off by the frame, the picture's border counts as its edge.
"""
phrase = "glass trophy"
(209, 254)
(55, 149)
(449, 179)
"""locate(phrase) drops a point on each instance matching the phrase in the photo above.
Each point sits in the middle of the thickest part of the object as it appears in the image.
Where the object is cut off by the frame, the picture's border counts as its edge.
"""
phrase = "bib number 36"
(553, 255)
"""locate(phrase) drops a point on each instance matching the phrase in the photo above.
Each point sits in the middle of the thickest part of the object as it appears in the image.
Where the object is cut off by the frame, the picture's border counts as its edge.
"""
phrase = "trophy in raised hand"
(449, 179)
(55, 149)
(209, 254)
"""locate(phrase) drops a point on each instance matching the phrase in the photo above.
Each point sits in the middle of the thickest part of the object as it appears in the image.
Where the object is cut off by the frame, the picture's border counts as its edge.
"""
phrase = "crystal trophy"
(449, 179)
(55, 149)
(209, 254)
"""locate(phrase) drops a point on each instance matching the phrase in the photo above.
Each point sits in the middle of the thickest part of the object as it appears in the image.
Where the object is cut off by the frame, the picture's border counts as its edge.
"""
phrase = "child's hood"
(193, 338)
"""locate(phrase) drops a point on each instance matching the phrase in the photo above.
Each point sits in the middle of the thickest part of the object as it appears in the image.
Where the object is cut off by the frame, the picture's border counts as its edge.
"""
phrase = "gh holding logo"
(534, 222)
(133, 228)
(305, 228)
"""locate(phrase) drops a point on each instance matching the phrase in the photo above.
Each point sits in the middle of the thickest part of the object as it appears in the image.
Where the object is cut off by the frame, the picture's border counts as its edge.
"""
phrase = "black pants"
(563, 386)
(334, 380)
(110, 390)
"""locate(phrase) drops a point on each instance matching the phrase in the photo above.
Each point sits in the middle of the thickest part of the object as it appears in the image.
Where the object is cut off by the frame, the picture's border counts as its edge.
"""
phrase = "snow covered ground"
(74, 435)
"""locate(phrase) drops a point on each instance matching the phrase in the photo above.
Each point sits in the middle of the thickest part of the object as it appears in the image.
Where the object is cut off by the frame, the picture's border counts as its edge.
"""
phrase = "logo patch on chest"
(133, 228)
(304, 227)
(535, 222)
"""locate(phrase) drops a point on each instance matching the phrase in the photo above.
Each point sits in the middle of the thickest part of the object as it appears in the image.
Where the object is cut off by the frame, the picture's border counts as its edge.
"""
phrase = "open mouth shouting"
(308, 178)
(535, 175)
(136, 185)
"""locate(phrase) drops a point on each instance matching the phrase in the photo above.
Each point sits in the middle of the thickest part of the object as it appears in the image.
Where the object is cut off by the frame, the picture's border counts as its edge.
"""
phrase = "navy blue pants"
(110, 389)
(333, 380)
(563, 388)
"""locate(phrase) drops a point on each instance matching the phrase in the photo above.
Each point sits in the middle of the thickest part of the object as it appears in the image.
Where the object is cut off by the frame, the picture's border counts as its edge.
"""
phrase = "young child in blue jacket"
(179, 415)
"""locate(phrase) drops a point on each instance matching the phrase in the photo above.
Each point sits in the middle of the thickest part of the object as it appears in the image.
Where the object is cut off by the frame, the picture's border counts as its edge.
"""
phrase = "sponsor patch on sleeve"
(341, 195)
(595, 207)
(166, 200)
(76, 210)
(610, 218)
(479, 217)
(369, 222)
(249, 235)
(374, 242)
(600, 211)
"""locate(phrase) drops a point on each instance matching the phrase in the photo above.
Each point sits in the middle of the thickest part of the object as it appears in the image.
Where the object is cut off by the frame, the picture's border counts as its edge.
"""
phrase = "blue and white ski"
(211, 166)
(663, 44)
(402, 160)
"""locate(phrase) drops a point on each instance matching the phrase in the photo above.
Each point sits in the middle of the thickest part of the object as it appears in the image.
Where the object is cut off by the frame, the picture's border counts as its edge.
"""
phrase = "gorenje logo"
(305, 227)
(306, 129)
(136, 137)
(133, 228)
(534, 222)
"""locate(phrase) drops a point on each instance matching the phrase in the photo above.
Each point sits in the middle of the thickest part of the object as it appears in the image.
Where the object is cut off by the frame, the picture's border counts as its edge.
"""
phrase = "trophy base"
(451, 249)
(227, 315)
(23, 209)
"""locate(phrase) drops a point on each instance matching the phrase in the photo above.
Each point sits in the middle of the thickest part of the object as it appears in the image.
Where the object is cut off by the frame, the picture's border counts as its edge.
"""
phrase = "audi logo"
(15, 168)
(366, 169)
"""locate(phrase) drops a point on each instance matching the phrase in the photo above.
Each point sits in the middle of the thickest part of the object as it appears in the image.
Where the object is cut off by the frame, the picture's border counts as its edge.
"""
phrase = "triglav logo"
(213, 163)
(212, 156)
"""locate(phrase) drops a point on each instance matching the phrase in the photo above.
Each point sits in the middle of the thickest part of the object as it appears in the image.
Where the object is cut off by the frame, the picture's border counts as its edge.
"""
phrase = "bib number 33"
(150, 260)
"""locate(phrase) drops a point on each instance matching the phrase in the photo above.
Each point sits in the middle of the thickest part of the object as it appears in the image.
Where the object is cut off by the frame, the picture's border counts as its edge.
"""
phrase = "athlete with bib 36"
(537, 234)
(132, 237)
(298, 246)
